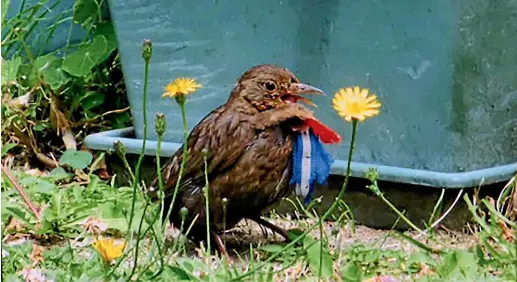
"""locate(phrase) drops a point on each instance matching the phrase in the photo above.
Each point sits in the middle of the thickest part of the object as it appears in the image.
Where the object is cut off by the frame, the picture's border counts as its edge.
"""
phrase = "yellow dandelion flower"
(181, 86)
(108, 250)
(355, 103)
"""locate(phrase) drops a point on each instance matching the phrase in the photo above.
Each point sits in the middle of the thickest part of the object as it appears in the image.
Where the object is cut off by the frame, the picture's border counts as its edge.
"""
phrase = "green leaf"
(271, 248)
(76, 159)
(112, 215)
(318, 257)
(5, 8)
(91, 100)
(30, 73)
(84, 10)
(38, 184)
(41, 126)
(458, 264)
(416, 259)
(17, 213)
(294, 233)
(417, 243)
(10, 70)
(174, 273)
(49, 68)
(352, 273)
(58, 173)
(6, 147)
(11, 277)
(80, 62)
(107, 30)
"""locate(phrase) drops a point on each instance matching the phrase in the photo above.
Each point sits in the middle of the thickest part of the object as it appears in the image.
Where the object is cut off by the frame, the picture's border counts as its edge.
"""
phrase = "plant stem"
(207, 206)
(142, 151)
(159, 172)
(321, 250)
(325, 216)
(22, 193)
(183, 160)
(399, 213)
(147, 59)
(138, 237)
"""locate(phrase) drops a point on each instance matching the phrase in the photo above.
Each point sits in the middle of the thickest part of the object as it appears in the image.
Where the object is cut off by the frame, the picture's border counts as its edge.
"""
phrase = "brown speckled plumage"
(249, 145)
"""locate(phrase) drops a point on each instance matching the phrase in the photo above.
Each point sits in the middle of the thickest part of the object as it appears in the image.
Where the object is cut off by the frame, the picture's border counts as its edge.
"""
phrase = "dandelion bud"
(183, 213)
(147, 50)
(120, 149)
(160, 124)
(224, 201)
(372, 174)
(205, 152)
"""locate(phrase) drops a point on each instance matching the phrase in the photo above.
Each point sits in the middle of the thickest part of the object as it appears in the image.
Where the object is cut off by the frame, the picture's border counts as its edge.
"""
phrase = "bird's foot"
(221, 247)
(275, 228)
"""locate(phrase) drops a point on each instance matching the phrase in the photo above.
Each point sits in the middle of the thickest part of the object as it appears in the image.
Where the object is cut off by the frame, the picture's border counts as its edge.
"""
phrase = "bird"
(246, 144)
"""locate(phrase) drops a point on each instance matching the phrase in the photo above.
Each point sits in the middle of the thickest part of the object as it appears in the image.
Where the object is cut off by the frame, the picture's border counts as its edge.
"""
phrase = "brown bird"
(247, 143)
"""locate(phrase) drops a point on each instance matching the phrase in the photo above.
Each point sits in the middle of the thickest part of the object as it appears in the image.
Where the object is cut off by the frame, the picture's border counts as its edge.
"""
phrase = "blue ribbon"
(319, 165)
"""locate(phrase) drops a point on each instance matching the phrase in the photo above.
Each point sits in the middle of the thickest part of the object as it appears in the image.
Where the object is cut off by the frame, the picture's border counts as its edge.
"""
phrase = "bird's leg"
(220, 245)
(275, 228)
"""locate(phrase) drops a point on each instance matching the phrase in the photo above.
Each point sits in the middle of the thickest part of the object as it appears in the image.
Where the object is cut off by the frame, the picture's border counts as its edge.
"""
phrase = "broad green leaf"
(83, 10)
(41, 126)
(91, 100)
(107, 30)
(294, 233)
(10, 70)
(12, 277)
(352, 273)
(38, 184)
(49, 67)
(28, 75)
(271, 248)
(18, 213)
(58, 173)
(120, 120)
(112, 215)
(119, 223)
(6, 147)
(318, 257)
(174, 273)
(458, 264)
(76, 159)
(80, 62)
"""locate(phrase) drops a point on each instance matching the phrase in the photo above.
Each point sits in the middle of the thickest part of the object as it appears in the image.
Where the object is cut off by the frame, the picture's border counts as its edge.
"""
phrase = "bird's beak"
(302, 88)
(296, 89)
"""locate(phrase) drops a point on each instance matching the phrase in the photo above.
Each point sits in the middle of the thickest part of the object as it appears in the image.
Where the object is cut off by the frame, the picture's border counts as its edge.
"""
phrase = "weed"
(62, 92)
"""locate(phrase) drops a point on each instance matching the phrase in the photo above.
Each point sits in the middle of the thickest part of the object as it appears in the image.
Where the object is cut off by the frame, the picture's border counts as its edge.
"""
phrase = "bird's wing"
(221, 137)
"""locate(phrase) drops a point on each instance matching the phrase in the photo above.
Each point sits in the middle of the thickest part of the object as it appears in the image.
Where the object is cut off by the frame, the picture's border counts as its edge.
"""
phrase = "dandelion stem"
(321, 250)
(325, 216)
(207, 206)
(183, 160)
(138, 237)
(146, 54)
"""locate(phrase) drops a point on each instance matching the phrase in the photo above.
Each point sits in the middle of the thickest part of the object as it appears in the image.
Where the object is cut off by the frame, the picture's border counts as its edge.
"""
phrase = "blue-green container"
(445, 72)
(54, 27)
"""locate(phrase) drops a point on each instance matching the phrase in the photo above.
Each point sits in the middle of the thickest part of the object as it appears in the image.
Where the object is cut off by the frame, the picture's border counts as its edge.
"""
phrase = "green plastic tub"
(445, 72)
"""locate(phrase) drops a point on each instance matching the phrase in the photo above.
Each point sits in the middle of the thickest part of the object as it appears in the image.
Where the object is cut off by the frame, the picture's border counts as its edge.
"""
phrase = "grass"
(60, 246)
(71, 201)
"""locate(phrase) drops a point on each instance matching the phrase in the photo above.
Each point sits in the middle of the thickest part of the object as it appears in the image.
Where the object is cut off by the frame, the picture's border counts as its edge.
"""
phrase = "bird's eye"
(270, 86)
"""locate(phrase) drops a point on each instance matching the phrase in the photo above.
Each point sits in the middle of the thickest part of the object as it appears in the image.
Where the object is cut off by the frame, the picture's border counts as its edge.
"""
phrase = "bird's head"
(269, 86)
